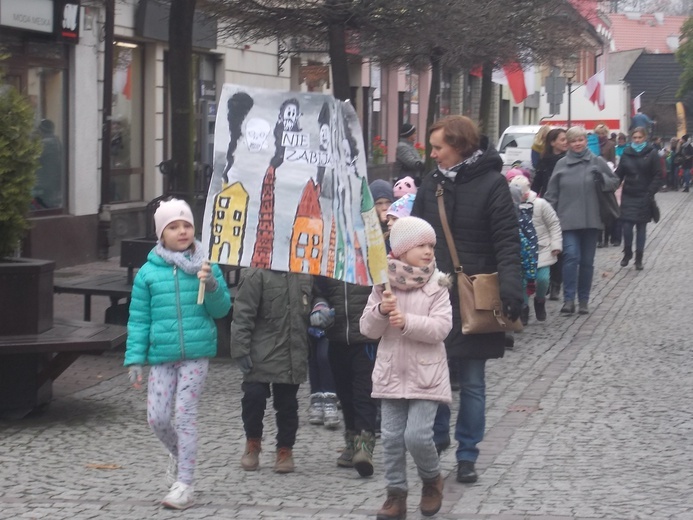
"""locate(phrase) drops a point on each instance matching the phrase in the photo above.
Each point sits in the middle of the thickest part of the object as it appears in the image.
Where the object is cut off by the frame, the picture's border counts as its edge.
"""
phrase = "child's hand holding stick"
(203, 274)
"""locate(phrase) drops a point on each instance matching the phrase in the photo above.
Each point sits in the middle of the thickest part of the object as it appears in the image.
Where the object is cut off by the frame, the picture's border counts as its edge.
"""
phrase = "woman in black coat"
(640, 170)
(484, 228)
(554, 150)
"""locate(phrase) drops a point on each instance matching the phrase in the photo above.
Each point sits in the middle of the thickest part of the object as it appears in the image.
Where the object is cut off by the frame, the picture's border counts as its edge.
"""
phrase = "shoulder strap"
(446, 229)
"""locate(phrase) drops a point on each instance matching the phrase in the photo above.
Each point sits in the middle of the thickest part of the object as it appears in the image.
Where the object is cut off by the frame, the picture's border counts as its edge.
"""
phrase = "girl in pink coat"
(411, 371)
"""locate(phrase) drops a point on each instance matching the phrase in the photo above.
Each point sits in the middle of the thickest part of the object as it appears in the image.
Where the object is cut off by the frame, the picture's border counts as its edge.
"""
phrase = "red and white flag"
(519, 80)
(595, 89)
(636, 103)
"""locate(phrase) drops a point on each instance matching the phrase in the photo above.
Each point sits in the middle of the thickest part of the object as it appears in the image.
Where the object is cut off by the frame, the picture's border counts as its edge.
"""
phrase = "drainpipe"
(103, 239)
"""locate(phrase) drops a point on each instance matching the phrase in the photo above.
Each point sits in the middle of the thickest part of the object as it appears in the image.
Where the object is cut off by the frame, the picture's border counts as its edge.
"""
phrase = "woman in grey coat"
(572, 192)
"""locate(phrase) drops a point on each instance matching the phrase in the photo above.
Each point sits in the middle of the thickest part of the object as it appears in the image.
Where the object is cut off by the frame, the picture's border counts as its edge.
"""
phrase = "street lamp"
(569, 73)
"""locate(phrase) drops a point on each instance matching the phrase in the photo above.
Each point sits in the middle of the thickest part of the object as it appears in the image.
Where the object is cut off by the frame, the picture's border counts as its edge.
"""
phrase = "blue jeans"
(686, 177)
(579, 247)
(471, 418)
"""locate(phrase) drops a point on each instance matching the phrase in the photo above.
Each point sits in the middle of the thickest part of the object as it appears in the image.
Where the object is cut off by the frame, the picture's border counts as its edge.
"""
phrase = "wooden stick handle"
(201, 293)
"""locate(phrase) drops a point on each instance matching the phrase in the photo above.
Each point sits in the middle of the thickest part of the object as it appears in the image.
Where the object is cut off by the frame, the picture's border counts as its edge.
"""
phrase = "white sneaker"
(171, 470)
(179, 497)
(316, 412)
(331, 413)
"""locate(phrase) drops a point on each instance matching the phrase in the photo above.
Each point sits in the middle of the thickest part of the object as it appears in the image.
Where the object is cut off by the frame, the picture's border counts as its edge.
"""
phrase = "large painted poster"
(289, 190)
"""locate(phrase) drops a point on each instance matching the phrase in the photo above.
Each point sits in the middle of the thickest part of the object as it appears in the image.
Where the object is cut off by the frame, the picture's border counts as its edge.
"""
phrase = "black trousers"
(556, 271)
(352, 367)
(285, 403)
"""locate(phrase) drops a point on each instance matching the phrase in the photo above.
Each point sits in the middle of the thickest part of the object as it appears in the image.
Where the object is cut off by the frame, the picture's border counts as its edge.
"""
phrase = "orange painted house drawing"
(306, 238)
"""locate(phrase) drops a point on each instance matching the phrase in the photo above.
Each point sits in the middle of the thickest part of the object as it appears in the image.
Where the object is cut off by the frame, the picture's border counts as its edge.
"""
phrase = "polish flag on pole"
(520, 82)
(636, 103)
(595, 89)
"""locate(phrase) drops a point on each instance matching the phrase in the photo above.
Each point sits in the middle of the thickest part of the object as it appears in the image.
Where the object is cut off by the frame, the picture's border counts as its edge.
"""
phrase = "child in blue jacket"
(168, 330)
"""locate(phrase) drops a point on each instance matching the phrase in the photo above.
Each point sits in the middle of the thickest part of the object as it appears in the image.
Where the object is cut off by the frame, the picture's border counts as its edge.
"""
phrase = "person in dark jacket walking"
(555, 150)
(485, 231)
(269, 342)
(352, 358)
(640, 171)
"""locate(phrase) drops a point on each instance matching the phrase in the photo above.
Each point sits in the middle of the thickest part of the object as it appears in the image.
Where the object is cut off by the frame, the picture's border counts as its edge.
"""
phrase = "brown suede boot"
(395, 506)
(285, 461)
(250, 460)
(432, 496)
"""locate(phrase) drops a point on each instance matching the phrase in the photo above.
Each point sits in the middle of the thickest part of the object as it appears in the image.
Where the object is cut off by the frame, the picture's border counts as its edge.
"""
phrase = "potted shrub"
(26, 285)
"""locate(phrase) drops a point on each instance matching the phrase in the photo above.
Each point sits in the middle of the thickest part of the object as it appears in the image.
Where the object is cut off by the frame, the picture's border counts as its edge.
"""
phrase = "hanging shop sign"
(30, 15)
(67, 20)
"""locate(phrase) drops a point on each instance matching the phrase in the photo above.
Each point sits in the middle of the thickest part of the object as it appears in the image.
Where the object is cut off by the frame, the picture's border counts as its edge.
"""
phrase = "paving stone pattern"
(588, 417)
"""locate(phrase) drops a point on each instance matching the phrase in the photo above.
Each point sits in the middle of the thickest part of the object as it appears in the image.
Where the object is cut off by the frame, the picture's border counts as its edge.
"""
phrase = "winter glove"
(531, 287)
(135, 375)
(316, 332)
(245, 364)
(512, 308)
(322, 316)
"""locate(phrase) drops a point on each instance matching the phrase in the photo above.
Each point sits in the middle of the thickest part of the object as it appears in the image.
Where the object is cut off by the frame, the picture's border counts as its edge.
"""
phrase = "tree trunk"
(485, 102)
(338, 62)
(180, 82)
(433, 104)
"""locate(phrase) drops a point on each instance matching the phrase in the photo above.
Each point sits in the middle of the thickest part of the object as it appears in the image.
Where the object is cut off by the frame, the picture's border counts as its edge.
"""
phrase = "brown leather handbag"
(481, 308)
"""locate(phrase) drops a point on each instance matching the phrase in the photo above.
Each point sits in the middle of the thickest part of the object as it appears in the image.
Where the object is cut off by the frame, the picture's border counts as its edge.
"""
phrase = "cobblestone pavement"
(588, 417)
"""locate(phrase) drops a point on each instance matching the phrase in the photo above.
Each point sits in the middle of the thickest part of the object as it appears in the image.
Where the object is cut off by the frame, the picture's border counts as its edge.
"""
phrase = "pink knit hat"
(170, 211)
(409, 232)
(514, 172)
(403, 186)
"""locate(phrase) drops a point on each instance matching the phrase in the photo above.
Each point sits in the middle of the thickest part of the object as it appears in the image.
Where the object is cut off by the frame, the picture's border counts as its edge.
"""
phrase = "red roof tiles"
(645, 31)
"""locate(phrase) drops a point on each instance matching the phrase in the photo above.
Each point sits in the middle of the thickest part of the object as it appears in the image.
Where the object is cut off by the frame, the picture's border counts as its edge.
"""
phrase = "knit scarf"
(583, 155)
(407, 277)
(638, 147)
(452, 172)
(190, 260)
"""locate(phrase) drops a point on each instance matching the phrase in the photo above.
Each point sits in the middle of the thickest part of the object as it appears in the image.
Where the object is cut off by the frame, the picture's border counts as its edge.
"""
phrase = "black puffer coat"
(641, 173)
(544, 170)
(484, 226)
(348, 301)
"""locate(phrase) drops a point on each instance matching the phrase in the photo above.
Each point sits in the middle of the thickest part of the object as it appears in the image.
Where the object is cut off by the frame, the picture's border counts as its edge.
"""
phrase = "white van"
(515, 144)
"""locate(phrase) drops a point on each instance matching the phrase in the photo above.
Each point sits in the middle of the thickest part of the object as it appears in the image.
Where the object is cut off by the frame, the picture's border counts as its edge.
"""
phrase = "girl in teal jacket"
(170, 331)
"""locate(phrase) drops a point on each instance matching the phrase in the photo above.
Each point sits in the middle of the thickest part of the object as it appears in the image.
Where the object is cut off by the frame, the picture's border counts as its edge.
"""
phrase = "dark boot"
(431, 496)
(568, 308)
(466, 473)
(524, 314)
(540, 309)
(364, 444)
(638, 261)
(627, 255)
(395, 506)
(554, 291)
(345, 458)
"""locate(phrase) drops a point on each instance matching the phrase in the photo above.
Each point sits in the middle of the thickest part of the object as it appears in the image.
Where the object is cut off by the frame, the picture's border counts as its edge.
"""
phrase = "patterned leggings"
(177, 384)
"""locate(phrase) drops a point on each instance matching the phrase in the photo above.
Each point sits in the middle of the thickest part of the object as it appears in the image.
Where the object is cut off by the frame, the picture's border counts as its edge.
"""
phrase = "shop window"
(127, 123)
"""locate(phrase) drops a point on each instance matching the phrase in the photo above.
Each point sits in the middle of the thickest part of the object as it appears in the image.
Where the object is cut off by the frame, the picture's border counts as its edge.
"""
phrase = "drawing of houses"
(306, 239)
(228, 224)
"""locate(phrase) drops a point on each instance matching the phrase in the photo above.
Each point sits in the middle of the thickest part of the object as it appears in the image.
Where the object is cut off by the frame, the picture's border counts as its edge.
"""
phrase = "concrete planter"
(26, 296)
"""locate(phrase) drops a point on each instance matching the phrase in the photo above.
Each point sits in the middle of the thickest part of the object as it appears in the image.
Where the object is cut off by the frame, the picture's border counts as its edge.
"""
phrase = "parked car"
(515, 144)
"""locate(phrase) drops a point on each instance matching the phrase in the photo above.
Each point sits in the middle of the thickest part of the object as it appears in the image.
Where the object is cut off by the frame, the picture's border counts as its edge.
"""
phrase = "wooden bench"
(30, 363)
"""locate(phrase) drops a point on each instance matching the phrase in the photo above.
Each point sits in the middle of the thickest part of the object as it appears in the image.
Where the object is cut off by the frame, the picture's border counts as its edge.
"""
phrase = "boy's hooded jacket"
(166, 324)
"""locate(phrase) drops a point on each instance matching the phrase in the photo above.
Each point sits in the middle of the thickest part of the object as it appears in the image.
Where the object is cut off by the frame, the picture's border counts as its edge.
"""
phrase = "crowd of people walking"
(389, 356)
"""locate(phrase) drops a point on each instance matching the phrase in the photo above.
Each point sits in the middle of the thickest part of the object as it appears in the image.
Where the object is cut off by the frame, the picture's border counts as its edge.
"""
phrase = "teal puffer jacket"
(166, 324)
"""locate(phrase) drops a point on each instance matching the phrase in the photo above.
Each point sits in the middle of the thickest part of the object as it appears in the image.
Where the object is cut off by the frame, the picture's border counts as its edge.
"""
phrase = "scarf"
(407, 277)
(190, 260)
(579, 156)
(452, 172)
(638, 147)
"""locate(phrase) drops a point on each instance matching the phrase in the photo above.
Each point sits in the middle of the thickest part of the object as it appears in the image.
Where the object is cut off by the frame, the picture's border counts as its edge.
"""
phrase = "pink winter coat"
(412, 363)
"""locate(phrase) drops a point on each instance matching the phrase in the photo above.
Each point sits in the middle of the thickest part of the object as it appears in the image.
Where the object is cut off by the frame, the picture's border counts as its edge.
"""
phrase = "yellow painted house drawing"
(228, 224)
